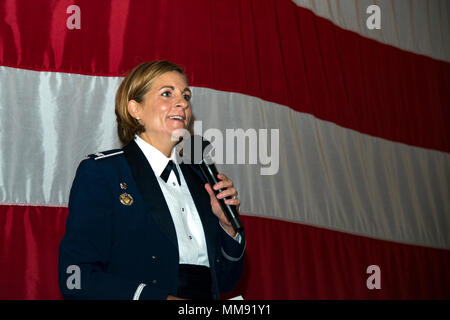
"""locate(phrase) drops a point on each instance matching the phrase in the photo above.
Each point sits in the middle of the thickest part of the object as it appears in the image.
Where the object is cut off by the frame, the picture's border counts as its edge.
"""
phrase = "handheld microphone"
(200, 155)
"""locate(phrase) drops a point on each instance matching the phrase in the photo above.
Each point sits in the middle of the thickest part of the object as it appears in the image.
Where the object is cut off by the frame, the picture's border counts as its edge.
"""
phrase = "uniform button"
(182, 209)
(190, 238)
(154, 281)
(153, 257)
(217, 260)
(174, 184)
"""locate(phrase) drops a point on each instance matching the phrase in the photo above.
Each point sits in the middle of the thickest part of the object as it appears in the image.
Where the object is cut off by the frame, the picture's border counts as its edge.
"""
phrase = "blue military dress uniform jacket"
(119, 232)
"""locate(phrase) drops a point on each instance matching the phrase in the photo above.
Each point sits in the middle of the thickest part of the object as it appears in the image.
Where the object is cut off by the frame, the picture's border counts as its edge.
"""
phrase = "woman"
(140, 226)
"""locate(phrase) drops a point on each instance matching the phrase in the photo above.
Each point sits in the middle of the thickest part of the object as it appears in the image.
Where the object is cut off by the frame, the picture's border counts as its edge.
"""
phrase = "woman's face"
(166, 107)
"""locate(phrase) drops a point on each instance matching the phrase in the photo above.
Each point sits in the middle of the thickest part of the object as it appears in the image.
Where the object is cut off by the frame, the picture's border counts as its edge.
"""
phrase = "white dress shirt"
(188, 226)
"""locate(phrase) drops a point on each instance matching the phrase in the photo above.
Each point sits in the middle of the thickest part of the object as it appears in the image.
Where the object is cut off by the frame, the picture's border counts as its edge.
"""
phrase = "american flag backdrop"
(359, 206)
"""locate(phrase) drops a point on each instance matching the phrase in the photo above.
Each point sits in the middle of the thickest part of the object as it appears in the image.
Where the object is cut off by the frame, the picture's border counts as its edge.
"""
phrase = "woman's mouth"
(179, 118)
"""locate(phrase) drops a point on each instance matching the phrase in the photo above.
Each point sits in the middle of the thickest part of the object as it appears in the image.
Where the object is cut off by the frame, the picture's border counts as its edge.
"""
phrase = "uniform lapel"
(151, 192)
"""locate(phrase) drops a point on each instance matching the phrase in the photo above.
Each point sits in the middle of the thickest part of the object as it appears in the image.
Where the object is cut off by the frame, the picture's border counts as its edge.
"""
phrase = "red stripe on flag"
(283, 261)
(29, 242)
(286, 260)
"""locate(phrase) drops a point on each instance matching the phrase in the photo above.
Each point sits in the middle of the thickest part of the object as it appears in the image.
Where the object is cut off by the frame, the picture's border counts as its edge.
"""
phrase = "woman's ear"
(133, 108)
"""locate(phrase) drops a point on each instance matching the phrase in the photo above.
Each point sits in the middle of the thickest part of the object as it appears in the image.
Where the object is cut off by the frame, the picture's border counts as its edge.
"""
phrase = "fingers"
(233, 202)
(223, 183)
(230, 192)
(227, 186)
(209, 190)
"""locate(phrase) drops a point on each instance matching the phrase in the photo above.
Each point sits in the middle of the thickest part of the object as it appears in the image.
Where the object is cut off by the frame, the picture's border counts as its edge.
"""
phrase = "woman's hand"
(228, 191)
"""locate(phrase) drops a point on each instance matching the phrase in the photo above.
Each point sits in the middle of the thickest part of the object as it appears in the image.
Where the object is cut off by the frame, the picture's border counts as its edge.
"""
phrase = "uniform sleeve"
(85, 249)
(231, 261)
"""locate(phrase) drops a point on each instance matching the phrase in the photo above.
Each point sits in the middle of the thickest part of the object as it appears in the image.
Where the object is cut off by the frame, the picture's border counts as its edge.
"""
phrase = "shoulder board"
(105, 154)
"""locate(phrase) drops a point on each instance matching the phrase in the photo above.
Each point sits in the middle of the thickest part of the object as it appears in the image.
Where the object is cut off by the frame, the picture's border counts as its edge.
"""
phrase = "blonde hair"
(134, 87)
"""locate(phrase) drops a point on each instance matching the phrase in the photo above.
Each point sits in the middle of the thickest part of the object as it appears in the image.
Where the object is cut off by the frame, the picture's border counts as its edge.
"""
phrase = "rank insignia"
(123, 186)
(126, 199)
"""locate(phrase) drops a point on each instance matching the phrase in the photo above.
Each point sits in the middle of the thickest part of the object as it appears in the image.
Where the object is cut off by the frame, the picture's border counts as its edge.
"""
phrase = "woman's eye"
(187, 97)
(166, 94)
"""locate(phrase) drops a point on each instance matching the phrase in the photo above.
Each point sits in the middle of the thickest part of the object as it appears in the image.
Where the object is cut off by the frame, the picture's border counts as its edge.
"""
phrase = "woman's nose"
(181, 102)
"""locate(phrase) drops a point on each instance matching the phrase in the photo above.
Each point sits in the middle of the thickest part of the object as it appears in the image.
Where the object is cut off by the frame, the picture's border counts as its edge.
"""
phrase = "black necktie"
(170, 166)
